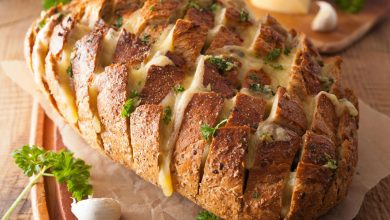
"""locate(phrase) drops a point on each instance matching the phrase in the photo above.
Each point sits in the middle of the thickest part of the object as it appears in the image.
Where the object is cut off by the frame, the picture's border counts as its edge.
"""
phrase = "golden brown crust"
(188, 40)
(159, 82)
(130, 49)
(324, 118)
(221, 188)
(224, 37)
(200, 17)
(204, 108)
(112, 89)
(83, 67)
(247, 111)
(288, 112)
(222, 83)
(145, 140)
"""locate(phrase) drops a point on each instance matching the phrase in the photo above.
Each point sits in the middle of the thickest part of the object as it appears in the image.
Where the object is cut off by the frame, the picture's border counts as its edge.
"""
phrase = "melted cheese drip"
(109, 45)
(341, 105)
(287, 194)
(170, 132)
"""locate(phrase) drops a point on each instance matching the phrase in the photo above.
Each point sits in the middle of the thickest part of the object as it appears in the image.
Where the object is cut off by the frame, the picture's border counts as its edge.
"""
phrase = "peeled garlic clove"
(97, 209)
(326, 18)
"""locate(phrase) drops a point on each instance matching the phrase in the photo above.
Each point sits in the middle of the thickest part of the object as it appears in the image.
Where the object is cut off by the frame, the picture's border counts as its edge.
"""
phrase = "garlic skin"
(326, 18)
(97, 209)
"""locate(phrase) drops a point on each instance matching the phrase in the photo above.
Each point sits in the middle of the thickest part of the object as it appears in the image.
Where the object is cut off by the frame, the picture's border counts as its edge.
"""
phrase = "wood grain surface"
(350, 27)
(366, 70)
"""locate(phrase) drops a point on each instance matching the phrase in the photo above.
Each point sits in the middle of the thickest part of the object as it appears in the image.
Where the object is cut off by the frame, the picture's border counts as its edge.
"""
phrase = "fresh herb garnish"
(69, 71)
(167, 116)
(255, 195)
(276, 66)
(37, 162)
(350, 6)
(118, 22)
(145, 39)
(134, 94)
(47, 4)
(214, 7)
(205, 215)
(287, 51)
(330, 163)
(244, 15)
(220, 62)
(152, 8)
(42, 24)
(208, 131)
(178, 89)
(273, 55)
(326, 82)
(266, 89)
(266, 137)
(193, 4)
(129, 107)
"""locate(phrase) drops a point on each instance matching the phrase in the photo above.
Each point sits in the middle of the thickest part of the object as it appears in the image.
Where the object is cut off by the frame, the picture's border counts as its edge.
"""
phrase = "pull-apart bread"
(240, 116)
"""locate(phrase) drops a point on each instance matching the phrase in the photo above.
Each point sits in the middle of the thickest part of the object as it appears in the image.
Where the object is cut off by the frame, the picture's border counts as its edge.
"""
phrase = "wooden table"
(366, 70)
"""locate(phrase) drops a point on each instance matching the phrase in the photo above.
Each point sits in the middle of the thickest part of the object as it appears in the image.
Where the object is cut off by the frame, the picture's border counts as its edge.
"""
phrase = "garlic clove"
(326, 18)
(97, 209)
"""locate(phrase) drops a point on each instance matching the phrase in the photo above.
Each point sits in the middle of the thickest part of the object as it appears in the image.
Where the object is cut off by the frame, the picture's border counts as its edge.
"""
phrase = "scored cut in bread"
(243, 117)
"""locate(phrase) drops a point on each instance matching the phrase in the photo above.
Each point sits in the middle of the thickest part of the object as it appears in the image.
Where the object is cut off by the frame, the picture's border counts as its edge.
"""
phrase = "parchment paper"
(142, 200)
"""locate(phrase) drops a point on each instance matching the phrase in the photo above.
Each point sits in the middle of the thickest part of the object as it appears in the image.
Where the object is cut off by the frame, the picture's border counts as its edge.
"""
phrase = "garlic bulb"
(326, 18)
(97, 209)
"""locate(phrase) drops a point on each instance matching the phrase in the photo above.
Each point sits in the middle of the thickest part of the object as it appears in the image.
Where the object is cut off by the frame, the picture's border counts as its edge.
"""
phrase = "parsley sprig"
(205, 215)
(37, 162)
(330, 163)
(47, 4)
(350, 6)
(208, 131)
(131, 104)
(220, 62)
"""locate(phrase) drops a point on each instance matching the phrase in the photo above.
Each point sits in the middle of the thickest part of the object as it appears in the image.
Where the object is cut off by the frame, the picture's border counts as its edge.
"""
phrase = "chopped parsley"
(42, 24)
(167, 116)
(152, 8)
(350, 6)
(266, 137)
(326, 82)
(214, 7)
(273, 55)
(330, 163)
(178, 89)
(255, 195)
(205, 215)
(220, 62)
(129, 107)
(134, 94)
(118, 22)
(287, 51)
(208, 131)
(276, 66)
(145, 39)
(69, 71)
(193, 4)
(244, 15)
(47, 4)
(266, 89)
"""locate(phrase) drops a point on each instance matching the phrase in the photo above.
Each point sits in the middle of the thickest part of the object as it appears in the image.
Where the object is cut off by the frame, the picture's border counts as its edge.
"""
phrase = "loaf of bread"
(240, 116)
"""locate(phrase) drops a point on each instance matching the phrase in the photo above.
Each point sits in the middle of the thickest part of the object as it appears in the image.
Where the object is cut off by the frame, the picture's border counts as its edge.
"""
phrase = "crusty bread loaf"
(240, 116)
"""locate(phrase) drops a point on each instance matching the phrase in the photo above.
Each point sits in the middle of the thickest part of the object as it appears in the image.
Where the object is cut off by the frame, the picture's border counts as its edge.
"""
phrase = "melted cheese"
(341, 105)
(164, 42)
(287, 194)
(134, 22)
(289, 7)
(109, 45)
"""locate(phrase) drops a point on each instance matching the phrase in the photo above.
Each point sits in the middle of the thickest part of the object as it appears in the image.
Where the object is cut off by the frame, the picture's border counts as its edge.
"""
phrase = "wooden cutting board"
(49, 199)
(351, 27)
